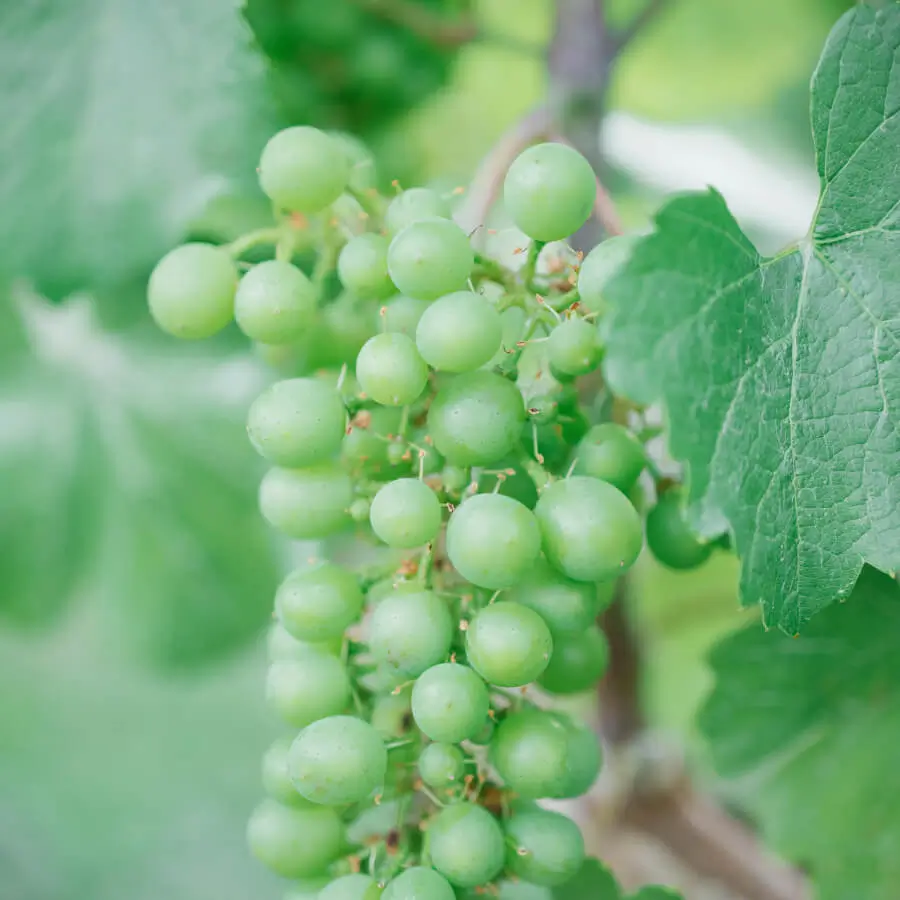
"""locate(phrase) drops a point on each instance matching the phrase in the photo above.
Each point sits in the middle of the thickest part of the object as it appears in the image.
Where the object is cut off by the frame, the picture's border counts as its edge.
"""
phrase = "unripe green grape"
(578, 662)
(485, 734)
(574, 347)
(338, 760)
(304, 690)
(351, 887)
(450, 703)
(583, 760)
(303, 169)
(295, 843)
(397, 451)
(543, 409)
(493, 540)
(567, 606)
(430, 258)
(442, 765)
(459, 332)
(550, 191)
(392, 714)
(307, 888)
(390, 369)
(612, 453)
(518, 890)
(191, 291)
(297, 422)
(306, 504)
(529, 751)
(476, 418)
(549, 848)
(280, 644)
(431, 463)
(599, 268)
(359, 509)
(508, 644)
(362, 266)
(402, 314)
(364, 450)
(455, 479)
(275, 302)
(363, 174)
(317, 603)
(669, 536)
(467, 845)
(419, 883)
(406, 513)
(275, 778)
(515, 482)
(410, 631)
(414, 205)
(590, 530)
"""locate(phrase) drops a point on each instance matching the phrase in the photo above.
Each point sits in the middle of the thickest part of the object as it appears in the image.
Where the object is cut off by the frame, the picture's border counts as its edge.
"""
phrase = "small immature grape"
(363, 451)
(307, 888)
(454, 479)
(402, 314)
(275, 778)
(351, 887)
(280, 644)
(306, 504)
(508, 644)
(191, 291)
(549, 848)
(476, 419)
(612, 453)
(363, 175)
(590, 530)
(669, 536)
(530, 751)
(599, 267)
(338, 760)
(295, 843)
(467, 845)
(392, 714)
(297, 422)
(413, 205)
(583, 760)
(430, 258)
(450, 703)
(317, 603)
(362, 266)
(406, 513)
(567, 606)
(275, 302)
(390, 369)
(574, 347)
(459, 332)
(550, 191)
(359, 510)
(419, 883)
(303, 169)
(493, 540)
(442, 765)
(304, 690)
(411, 631)
(578, 662)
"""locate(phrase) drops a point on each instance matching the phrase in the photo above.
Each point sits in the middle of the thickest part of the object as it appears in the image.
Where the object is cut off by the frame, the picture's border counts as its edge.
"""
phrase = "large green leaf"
(813, 726)
(126, 470)
(122, 119)
(782, 376)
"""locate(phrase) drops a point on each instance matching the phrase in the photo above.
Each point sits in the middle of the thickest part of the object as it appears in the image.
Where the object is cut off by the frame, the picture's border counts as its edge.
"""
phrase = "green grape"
(304, 690)
(397, 452)
(402, 314)
(317, 603)
(410, 631)
(543, 408)
(275, 778)
(590, 530)
(360, 509)
(508, 644)
(307, 888)
(467, 845)
(515, 483)
(450, 703)
(406, 513)
(455, 479)
(362, 266)
(459, 332)
(419, 883)
(364, 451)
(599, 267)
(351, 887)
(280, 644)
(583, 760)
(442, 765)
(297, 422)
(612, 453)
(476, 418)
(295, 843)
(306, 504)
(521, 890)
(578, 662)
(550, 191)
(530, 752)
(493, 540)
(548, 847)
(431, 463)
(567, 606)
(390, 369)
(574, 347)
(430, 258)
(669, 536)
(392, 714)
(415, 205)
(338, 760)
(275, 302)
(486, 734)
(191, 291)
(303, 169)
(363, 174)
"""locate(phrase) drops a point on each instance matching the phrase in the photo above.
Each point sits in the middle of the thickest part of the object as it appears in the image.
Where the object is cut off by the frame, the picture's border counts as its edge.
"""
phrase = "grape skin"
(450, 703)
(318, 602)
(306, 503)
(275, 778)
(530, 751)
(362, 266)
(459, 332)
(406, 513)
(274, 302)
(567, 606)
(414, 205)
(351, 887)
(611, 453)
(599, 267)
(390, 369)
(549, 848)
(430, 258)
(574, 347)
(304, 690)
(467, 845)
(419, 883)
(441, 765)
(578, 662)
(670, 538)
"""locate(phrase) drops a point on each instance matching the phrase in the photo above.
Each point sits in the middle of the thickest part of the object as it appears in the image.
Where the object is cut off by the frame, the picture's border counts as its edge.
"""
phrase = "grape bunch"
(496, 504)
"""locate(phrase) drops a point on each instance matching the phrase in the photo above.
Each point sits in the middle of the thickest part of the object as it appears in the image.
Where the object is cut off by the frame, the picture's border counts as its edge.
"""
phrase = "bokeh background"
(135, 576)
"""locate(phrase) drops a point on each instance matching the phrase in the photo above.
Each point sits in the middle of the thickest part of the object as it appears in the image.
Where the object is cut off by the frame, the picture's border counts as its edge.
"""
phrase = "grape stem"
(426, 565)
(259, 237)
(528, 270)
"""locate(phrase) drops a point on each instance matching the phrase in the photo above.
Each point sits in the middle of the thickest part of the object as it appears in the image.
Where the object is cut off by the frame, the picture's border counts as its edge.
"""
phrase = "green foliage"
(597, 882)
(787, 375)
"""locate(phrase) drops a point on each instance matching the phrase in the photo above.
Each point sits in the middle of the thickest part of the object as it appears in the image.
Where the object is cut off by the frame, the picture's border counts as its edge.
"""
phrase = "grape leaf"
(127, 473)
(122, 120)
(593, 880)
(781, 376)
(813, 724)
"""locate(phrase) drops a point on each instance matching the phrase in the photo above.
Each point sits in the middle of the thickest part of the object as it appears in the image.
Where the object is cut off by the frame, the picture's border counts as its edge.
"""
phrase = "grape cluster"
(500, 508)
